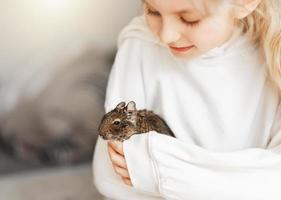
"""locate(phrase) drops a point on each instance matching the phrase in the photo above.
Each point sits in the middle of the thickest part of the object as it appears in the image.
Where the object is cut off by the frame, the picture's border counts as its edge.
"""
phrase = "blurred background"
(55, 57)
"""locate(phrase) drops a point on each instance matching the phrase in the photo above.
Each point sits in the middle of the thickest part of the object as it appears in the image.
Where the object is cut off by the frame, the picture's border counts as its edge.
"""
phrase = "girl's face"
(186, 31)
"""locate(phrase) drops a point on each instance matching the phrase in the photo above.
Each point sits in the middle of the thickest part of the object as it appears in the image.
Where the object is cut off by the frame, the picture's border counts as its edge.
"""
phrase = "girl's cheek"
(206, 37)
(199, 38)
(154, 24)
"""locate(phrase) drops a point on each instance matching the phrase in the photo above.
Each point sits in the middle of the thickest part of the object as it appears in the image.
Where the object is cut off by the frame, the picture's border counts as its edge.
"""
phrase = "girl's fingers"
(117, 146)
(116, 154)
(122, 172)
(116, 158)
(127, 181)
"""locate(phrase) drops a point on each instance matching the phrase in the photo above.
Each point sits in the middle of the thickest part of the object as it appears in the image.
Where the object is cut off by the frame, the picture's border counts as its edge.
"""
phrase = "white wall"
(31, 25)
(33, 33)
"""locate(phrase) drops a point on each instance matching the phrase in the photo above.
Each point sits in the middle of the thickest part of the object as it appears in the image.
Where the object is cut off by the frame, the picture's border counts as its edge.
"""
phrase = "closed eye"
(151, 12)
(190, 23)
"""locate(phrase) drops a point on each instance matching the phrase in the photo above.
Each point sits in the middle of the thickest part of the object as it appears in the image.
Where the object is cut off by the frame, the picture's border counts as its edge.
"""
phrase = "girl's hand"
(116, 154)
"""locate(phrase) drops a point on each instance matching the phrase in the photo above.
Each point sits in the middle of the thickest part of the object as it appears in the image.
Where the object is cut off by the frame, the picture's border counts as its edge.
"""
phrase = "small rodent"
(125, 120)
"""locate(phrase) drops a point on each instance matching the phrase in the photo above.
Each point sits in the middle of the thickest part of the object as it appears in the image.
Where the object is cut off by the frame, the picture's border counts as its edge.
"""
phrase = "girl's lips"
(181, 49)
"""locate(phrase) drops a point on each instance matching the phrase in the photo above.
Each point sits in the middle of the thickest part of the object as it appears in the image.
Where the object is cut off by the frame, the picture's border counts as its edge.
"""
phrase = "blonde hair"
(264, 27)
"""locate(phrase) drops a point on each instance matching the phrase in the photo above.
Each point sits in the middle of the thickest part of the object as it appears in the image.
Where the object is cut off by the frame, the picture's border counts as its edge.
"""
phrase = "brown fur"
(124, 121)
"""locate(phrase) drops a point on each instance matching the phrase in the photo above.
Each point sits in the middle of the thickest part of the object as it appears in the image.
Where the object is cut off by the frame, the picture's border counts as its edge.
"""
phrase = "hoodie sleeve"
(125, 80)
(179, 170)
(125, 84)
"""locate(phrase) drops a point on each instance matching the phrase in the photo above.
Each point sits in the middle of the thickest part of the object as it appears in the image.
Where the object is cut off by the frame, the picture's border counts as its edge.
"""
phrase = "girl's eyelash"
(150, 12)
(155, 13)
(192, 24)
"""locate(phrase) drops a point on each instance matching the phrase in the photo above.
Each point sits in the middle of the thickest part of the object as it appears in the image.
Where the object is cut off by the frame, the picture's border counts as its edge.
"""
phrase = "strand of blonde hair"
(264, 27)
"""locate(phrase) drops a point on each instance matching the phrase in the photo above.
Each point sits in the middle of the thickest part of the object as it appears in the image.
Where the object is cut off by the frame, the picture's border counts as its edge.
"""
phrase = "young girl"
(211, 69)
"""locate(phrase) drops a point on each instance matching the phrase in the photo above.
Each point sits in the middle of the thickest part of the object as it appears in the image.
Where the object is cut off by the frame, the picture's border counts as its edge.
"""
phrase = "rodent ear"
(121, 105)
(131, 106)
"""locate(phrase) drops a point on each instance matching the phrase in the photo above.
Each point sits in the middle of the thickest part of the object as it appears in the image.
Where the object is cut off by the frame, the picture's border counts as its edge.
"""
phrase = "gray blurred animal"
(59, 124)
(125, 120)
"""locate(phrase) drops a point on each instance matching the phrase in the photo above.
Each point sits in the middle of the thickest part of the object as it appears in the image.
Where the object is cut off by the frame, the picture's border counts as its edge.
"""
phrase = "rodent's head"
(120, 123)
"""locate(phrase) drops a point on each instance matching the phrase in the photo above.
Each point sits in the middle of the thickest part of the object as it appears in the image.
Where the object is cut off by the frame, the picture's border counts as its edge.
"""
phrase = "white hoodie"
(220, 107)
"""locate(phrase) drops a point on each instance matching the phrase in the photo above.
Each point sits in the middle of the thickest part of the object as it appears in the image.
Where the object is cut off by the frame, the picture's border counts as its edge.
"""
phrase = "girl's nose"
(168, 32)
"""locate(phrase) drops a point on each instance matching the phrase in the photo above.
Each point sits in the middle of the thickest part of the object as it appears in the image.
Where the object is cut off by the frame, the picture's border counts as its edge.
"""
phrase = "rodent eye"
(116, 122)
